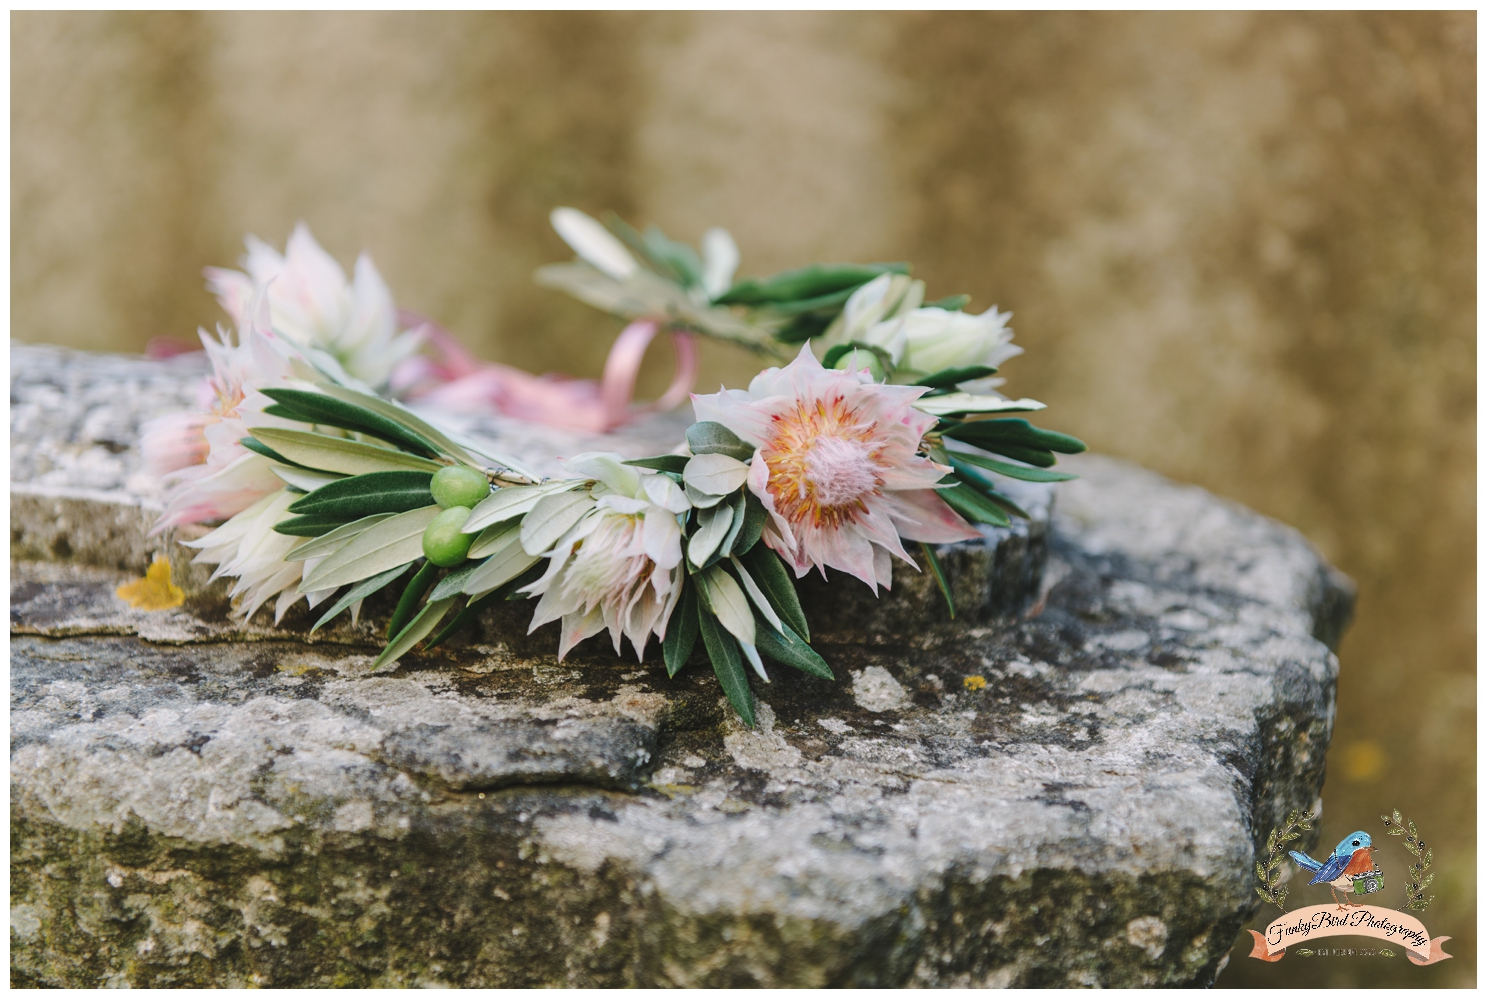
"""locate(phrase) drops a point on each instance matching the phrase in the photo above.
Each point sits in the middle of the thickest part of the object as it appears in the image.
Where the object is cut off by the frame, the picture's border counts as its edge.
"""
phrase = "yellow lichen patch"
(672, 791)
(155, 592)
(974, 682)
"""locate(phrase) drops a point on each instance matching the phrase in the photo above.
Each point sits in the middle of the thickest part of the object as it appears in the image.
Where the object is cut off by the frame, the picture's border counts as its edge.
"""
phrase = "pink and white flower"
(312, 305)
(838, 467)
(209, 475)
(212, 477)
(620, 567)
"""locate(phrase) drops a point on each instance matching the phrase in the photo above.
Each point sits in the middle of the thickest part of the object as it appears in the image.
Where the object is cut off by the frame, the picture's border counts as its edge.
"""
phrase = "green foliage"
(707, 437)
(674, 463)
(1414, 890)
(312, 526)
(972, 504)
(1014, 438)
(804, 327)
(509, 590)
(939, 573)
(337, 454)
(1268, 870)
(433, 612)
(364, 495)
(727, 660)
(786, 647)
(412, 594)
(951, 377)
(753, 524)
(681, 630)
(391, 542)
(805, 283)
(953, 303)
(774, 579)
(841, 350)
(318, 408)
(1007, 468)
(360, 591)
(259, 447)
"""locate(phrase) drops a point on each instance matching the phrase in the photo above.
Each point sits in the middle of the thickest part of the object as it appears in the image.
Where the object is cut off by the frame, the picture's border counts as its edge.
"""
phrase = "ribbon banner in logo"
(1295, 928)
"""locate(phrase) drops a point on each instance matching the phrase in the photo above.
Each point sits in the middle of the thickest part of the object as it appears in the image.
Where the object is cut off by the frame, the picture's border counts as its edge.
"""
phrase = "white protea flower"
(620, 567)
(881, 299)
(933, 339)
(248, 548)
(313, 305)
(838, 467)
(887, 313)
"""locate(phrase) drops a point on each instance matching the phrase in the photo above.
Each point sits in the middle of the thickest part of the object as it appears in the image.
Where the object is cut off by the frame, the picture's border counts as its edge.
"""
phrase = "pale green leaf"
(701, 500)
(327, 543)
(594, 243)
(553, 517)
(360, 592)
(393, 411)
(712, 527)
(757, 595)
(715, 474)
(494, 538)
(396, 540)
(337, 454)
(512, 501)
(303, 478)
(498, 570)
(722, 595)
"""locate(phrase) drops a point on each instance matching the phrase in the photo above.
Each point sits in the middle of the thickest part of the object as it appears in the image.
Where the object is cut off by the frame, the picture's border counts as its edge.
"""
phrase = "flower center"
(841, 470)
(823, 462)
(609, 561)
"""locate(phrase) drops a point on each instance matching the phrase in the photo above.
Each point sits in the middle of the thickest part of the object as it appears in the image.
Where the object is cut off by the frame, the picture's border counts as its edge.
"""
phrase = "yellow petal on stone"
(155, 592)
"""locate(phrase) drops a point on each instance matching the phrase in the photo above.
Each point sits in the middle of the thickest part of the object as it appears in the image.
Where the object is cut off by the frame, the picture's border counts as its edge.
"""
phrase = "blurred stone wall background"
(1240, 250)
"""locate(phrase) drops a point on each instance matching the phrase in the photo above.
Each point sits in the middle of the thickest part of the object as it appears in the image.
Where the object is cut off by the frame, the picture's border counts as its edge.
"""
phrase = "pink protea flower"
(838, 467)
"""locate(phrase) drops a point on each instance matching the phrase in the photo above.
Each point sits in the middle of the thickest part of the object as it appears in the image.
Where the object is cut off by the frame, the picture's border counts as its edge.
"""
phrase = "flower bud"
(935, 339)
(861, 360)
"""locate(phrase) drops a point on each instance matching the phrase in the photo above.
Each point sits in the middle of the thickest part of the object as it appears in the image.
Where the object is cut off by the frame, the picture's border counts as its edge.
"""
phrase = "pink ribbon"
(455, 379)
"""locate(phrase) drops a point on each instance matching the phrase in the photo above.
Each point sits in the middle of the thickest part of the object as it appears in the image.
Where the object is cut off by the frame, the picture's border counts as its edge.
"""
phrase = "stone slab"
(267, 813)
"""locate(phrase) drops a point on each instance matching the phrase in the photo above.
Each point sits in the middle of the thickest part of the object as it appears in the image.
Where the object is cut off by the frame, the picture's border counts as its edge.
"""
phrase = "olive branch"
(1414, 891)
(1268, 870)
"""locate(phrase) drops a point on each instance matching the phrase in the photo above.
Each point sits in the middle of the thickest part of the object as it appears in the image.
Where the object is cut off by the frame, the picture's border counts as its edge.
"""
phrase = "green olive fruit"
(459, 485)
(443, 541)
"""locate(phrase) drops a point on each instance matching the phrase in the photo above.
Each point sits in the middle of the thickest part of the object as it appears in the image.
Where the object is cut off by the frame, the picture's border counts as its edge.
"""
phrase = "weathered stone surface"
(213, 812)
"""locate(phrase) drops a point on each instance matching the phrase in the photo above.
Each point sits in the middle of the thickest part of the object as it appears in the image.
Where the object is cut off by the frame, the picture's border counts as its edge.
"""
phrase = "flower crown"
(330, 491)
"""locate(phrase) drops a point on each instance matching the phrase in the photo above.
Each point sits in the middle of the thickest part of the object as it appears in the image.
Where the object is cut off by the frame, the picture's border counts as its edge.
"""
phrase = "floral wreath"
(327, 488)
